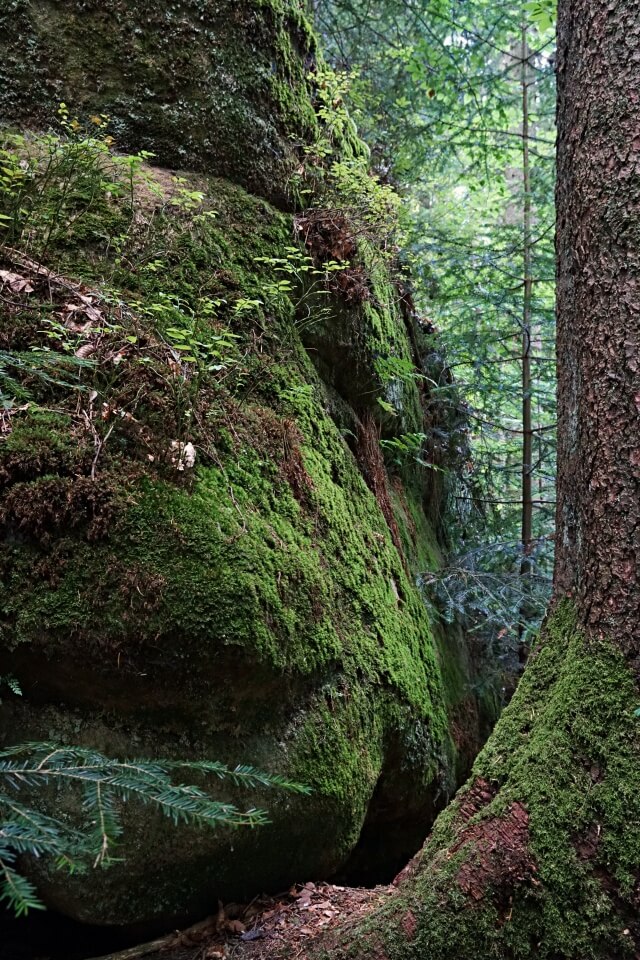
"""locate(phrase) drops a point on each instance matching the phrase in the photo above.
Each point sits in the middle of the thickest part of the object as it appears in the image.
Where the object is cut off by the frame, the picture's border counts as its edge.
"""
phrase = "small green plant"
(408, 446)
(192, 337)
(392, 369)
(387, 407)
(68, 197)
(394, 373)
(41, 365)
(301, 281)
(104, 783)
(337, 172)
(185, 199)
(10, 683)
(61, 186)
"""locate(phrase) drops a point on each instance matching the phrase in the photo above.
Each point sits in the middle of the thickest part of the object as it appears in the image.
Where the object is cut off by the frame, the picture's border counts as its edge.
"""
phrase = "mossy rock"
(215, 85)
(260, 606)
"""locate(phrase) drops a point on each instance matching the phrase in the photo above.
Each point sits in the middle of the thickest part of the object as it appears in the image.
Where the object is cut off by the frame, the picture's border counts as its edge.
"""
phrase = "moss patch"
(254, 600)
(218, 86)
(539, 855)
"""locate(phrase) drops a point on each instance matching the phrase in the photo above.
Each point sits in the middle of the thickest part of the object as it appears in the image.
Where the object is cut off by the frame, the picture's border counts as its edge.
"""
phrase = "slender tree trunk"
(526, 566)
(539, 854)
(527, 423)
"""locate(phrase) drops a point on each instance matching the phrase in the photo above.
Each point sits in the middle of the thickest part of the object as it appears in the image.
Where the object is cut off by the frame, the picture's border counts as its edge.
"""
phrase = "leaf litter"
(280, 927)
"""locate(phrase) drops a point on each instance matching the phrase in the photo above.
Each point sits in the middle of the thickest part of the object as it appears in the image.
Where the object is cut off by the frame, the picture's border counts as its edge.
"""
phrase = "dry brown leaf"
(15, 282)
(85, 351)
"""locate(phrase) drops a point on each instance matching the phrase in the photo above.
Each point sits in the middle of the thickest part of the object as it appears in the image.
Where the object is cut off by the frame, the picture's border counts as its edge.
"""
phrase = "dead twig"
(177, 939)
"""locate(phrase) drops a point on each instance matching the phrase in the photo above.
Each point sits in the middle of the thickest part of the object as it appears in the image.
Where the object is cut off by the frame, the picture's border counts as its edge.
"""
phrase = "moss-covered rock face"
(252, 608)
(202, 550)
(215, 85)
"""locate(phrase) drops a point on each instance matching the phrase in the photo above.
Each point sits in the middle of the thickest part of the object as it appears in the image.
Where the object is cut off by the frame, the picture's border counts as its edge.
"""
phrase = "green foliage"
(11, 684)
(182, 107)
(406, 446)
(436, 89)
(40, 365)
(337, 171)
(59, 187)
(69, 195)
(484, 590)
(105, 783)
(542, 13)
(271, 551)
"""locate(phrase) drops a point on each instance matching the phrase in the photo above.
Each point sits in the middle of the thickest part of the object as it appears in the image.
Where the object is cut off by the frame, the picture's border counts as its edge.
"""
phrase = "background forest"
(457, 101)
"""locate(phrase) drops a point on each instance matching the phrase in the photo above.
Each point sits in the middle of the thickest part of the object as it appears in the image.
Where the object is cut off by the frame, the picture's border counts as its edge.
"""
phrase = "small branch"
(179, 938)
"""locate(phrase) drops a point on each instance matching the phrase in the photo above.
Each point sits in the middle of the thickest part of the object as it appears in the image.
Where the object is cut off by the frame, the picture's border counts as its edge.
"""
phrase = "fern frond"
(106, 826)
(242, 775)
(44, 366)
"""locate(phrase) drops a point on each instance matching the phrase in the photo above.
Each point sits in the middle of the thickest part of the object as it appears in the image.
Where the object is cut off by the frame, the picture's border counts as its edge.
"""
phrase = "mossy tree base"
(539, 854)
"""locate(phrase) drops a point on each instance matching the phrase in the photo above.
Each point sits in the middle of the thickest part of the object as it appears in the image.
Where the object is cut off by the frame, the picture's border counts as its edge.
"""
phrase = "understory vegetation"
(457, 102)
(25, 830)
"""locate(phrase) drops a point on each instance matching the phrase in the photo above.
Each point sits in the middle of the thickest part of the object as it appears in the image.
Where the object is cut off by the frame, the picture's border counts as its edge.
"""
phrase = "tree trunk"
(539, 855)
(527, 293)
(598, 199)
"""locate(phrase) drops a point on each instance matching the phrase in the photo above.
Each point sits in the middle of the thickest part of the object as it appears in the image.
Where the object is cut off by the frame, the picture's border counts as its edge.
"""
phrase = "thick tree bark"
(539, 855)
(598, 200)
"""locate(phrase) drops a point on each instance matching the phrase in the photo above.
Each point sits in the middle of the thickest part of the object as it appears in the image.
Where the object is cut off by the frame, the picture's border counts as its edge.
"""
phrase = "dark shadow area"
(45, 935)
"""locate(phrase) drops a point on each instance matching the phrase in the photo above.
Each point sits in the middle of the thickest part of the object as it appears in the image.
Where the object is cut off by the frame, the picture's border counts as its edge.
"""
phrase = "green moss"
(257, 601)
(341, 751)
(218, 86)
(242, 562)
(39, 443)
(567, 750)
(362, 348)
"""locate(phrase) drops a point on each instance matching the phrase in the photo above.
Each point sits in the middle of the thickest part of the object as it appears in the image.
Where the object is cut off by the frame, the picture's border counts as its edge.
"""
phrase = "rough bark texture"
(598, 543)
(538, 855)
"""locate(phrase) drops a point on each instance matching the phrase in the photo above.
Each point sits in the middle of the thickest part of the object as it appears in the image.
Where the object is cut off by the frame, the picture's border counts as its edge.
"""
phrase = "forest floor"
(268, 928)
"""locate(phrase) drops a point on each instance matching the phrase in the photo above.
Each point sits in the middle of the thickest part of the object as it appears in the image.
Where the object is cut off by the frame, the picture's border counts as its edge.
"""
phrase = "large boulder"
(203, 553)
